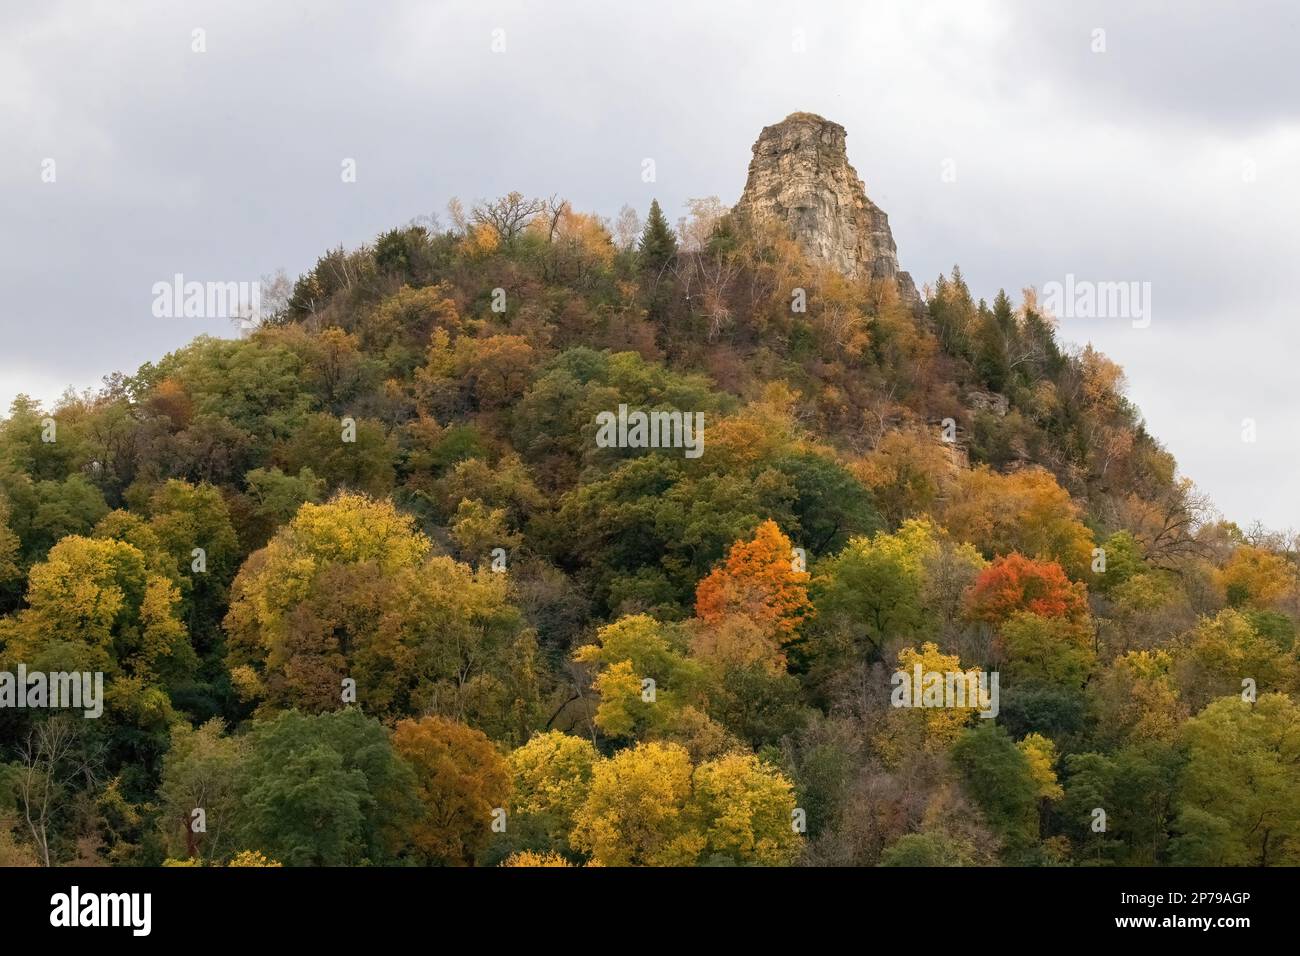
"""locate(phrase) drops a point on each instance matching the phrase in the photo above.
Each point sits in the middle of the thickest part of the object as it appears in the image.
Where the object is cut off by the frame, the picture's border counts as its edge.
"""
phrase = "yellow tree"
(531, 858)
(1136, 699)
(96, 605)
(913, 724)
(746, 810)
(627, 655)
(461, 779)
(1041, 754)
(1026, 511)
(1222, 652)
(552, 775)
(638, 812)
(1256, 577)
(349, 591)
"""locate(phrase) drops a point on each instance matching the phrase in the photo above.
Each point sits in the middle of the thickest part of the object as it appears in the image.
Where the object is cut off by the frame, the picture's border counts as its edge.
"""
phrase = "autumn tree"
(460, 780)
(1257, 577)
(760, 579)
(1137, 698)
(637, 812)
(95, 605)
(1025, 512)
(551, 778)
(1221, 654)
(349, 591)
(746, 808)
(507, 216)
(643, 678)
(913, 726)
(1015, 584)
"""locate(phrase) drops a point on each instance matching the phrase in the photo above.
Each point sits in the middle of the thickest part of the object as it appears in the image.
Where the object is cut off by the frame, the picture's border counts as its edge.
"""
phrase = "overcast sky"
(1173, 157)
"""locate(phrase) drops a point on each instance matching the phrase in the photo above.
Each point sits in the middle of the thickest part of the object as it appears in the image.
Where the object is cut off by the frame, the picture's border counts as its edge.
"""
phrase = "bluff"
(800, 176)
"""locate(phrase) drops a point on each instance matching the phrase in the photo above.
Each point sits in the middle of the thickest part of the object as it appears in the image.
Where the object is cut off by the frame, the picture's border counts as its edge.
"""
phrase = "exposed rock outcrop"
(800, 176)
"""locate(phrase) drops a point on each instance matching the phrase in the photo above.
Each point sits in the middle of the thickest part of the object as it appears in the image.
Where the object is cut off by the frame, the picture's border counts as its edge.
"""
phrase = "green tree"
(1236, 796)
(999, 776)
(324, 790)
(658, 245)
(201, 771)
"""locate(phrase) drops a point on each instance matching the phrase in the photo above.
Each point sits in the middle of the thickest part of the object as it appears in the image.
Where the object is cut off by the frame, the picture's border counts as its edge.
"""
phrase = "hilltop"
(401, 548)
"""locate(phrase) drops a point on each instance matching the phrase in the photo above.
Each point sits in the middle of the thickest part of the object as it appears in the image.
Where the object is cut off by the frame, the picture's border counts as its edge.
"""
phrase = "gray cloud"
(225, 165)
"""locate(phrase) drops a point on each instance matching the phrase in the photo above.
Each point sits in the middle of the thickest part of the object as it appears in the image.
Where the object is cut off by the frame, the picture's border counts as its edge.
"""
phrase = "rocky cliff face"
(800, 176)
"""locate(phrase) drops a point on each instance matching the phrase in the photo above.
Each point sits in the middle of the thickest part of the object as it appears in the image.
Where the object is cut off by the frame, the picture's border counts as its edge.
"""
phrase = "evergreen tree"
(991, 350)
(658, 244)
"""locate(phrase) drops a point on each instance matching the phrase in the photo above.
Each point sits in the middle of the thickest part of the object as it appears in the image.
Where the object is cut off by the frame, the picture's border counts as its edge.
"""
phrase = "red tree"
(1014, 583)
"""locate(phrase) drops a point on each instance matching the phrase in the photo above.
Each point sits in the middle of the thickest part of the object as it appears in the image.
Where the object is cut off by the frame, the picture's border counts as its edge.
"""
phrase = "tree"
(1222, 652)
(875, 588)
(1001, 778)
(1236, 797)
(637, 812)
(747, 808)
(627, 653)
(627, 227)
(761, 580)
(1137, 699)
(508, 216)
(1025, 512)
(551, 778)
(1041, 754)
(324, 790)
(1135, 788)
(907, 471)
(991, 351)
(185, 517)
(528, 858)
(53, 757)
(1047, 650)
(200, 772)
(362, 464)
(9, 546)
(460, 780)
(922, 850)
(658, 245)
(94, 605)
(253, 858)
(349, 591)
(926, 729)
(758, 703)
(276, 498)
(831, 506)
(1257, 577)
(1014, 584)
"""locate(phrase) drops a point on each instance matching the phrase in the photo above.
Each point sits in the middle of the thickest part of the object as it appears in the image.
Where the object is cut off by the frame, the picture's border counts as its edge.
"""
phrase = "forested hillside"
(365, 588)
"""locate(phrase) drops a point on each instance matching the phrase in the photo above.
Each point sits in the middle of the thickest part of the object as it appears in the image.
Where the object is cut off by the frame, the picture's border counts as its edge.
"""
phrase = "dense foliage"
(365, 588)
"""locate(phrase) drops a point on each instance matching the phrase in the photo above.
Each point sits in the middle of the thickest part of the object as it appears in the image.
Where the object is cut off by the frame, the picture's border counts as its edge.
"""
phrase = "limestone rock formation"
(800, 176)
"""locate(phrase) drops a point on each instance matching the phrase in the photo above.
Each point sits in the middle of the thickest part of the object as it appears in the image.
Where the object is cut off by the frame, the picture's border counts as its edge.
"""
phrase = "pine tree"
(658, 244)
(991, 349)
